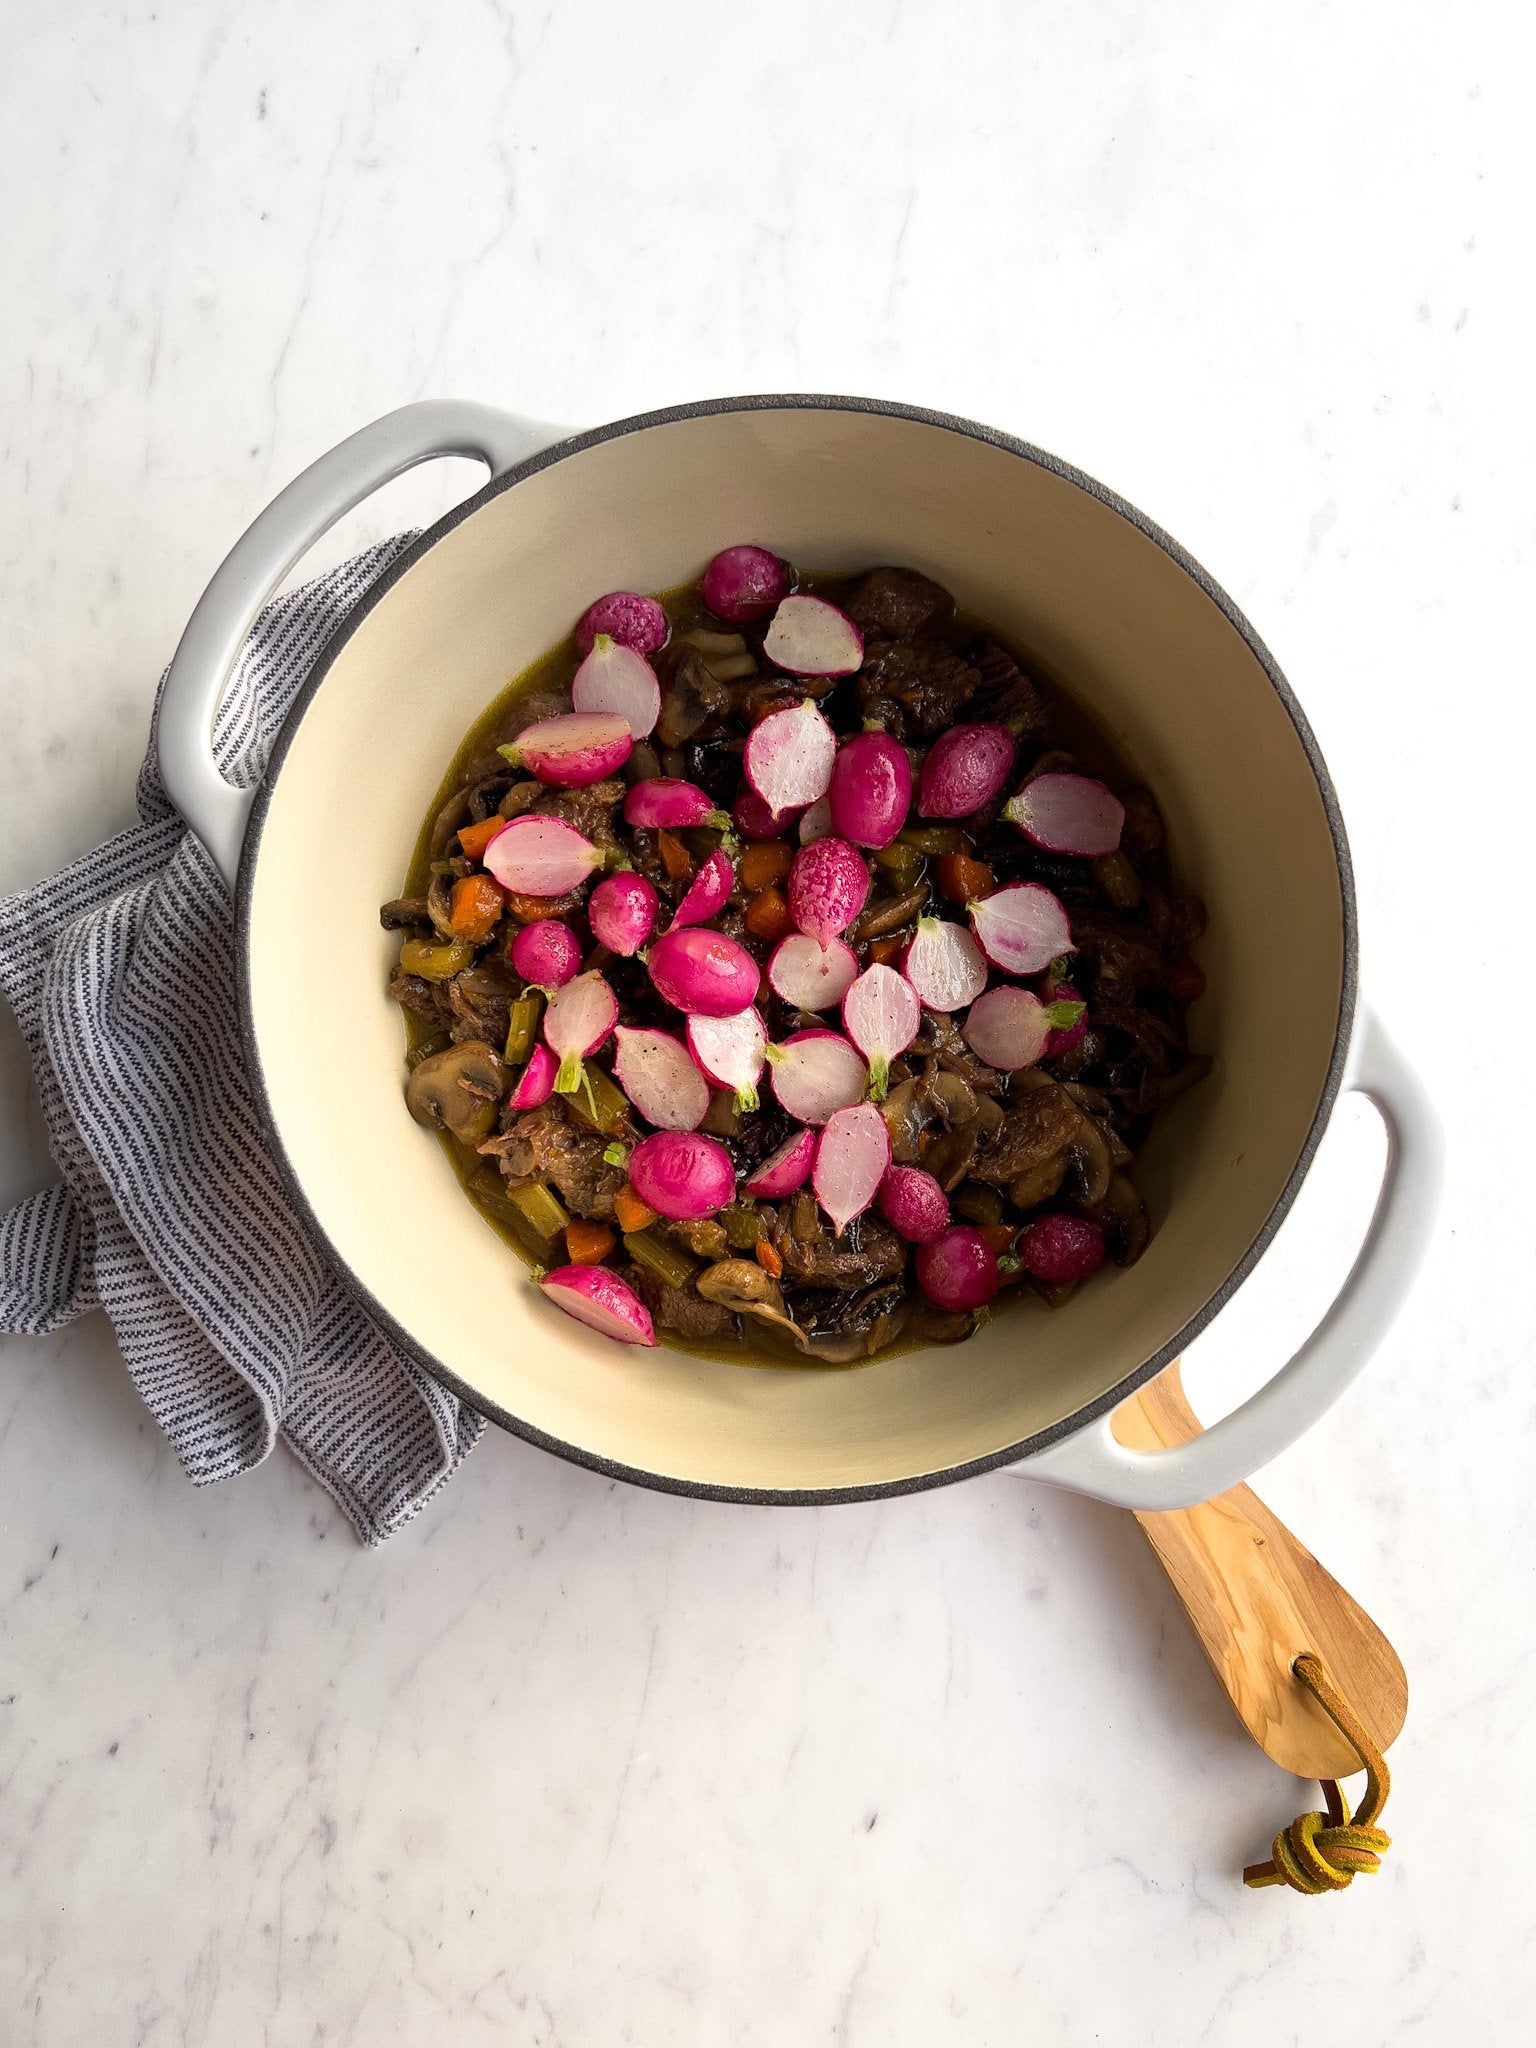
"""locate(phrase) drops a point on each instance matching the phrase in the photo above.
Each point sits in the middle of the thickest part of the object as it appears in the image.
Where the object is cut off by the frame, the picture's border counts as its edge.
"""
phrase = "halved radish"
(753, 819)
(614, 678)
(828, 885)
(703, 973)
(731, 1051)
(815, 822)
(914, 1204)
(682, 1175)
(541, 857)
(788, 757)
(536, 1083)
(871, 789)
(573, 750)
(959, 1270)
(625, 616)
(1021, 928)
(655, 1072)
(809, 637)
(622, 912)
(596, 1296)
(944, 964)
(785, 1169)
(881, 1015)
(1068, 814)
(966, 767)
(743, 583)
(706, 893)
(816, 1073)
(547, 953)
(1008, 1028)
(851, 1158)
(576, 1021)
(663, 802)
(810, 975)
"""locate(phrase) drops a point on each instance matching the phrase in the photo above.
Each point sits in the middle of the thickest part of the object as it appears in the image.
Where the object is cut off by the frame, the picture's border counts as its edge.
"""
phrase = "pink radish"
(1021, 928)
(664, 803)
(743, 583)
(596, 1296)
(731, 1051)
(622, 912)
(706, 893)
(655, 1072)
(785, 1169)
(788, 757)
(944, 965)
(810, 975)
(1068, 814)
(871, 788)
(536, 1083)
(809, 637)
(754, 820)
(828, 885)
(624, 615)
(547, 953)
(816, 1073)
(1061, 1249)
(682, 1174)
(614, 678)
(881, 1015)
(541, 857)
(703, 973)
(1062, 996)
(573, 750)
(1010, 1027)
(914, 1204)
(966, 767)
(577, 1020)
(958, 1270)
(851, 1158)
(816, 822)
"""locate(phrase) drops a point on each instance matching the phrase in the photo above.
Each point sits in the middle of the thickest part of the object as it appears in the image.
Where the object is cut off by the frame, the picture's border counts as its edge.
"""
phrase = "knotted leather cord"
(1325, 1852)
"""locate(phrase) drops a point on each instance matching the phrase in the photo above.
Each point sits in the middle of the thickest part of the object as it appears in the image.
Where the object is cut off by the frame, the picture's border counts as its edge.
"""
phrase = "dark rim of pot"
(920, 1482)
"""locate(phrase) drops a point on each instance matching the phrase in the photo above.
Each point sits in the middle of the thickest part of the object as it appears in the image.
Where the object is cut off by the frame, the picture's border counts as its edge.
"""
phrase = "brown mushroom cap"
(457, 1090)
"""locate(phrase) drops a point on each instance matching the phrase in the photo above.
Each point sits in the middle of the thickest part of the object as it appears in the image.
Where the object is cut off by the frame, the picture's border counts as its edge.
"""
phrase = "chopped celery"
(930, 838)
(743, 1226)
(903, 864)
(668, 1261)
(523, 1027)
(540, 1208)
(598, 1102)
(435, 963)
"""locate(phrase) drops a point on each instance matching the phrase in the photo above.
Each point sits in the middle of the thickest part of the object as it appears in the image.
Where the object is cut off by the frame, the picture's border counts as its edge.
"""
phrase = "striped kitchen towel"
(170, 1215)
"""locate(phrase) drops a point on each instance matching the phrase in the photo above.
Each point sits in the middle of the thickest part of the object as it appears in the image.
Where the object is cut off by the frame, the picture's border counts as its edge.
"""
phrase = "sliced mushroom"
(989, 1118)
(953, 1097)
(1038, 1183)
(741, 1285)
(458, 1090)
(405, 913)
(1118, 879)
(519, 797)
(1122, 1216)
(440, 899)
(448, 820)
(692, 701)
(905, 1113)
(1089, 1158)
(889, 915)
(950, 1157)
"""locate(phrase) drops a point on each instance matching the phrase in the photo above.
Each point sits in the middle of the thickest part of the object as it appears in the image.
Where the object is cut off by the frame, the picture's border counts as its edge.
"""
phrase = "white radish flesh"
(944, 965)
(576, 1021)
(816, 822)
(731, 1051)
(816, 1073)
(881, 1014)
(788, 757)
(1021, 928)
(1008, 1028)
(811, 976)
(614, 678)
(541, 857)
(573, 750)
(851, 1159)
(1068, 814)
(809, 637)
(655, 1072)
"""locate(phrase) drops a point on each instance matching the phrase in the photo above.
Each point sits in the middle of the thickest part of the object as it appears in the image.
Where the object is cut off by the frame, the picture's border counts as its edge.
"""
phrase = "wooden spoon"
(1257, 1599)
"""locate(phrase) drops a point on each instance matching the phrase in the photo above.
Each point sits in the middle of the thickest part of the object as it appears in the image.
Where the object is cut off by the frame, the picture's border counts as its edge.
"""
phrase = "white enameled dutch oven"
(1058, 563)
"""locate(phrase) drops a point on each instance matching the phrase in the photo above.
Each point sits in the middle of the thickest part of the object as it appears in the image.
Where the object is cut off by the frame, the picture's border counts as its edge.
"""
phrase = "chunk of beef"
(694, 701)
(867, 1252)
(425, 999)
(480, 1000)
(1006, 694)
(1123, 960)
(1044, 1121)
(930, 683)
(590, 810)
(682, 1309)
(547, 1146)
(898, 604)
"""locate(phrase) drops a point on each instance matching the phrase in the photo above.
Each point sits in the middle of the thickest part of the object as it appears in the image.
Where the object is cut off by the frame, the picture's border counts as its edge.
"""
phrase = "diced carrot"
(674, 856)
(633, 1214)
(588, 1244)
(474, 839)
(767, 915)
(886, 952)
(960, 878)
(474, 908)
(999, 1235)
(1186, 984)
(768, 1258)
(764, 861)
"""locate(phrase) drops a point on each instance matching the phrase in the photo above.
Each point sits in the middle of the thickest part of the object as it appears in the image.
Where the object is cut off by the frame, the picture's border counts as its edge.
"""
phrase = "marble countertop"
(576, 1765)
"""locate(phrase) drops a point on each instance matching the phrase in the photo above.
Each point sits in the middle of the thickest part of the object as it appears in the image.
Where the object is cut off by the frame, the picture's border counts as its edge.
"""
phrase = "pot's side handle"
(1094, 1461)
(296, 518)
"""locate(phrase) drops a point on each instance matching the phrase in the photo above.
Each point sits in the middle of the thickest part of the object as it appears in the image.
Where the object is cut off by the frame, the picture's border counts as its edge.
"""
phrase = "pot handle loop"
(1093, 1461)
(297, 517)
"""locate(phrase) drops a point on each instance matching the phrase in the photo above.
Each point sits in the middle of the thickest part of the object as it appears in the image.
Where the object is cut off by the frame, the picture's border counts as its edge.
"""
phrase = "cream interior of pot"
(1053, 567)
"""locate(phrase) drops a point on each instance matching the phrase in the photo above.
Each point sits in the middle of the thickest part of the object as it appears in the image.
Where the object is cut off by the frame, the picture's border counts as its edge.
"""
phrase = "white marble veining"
(579, 1766)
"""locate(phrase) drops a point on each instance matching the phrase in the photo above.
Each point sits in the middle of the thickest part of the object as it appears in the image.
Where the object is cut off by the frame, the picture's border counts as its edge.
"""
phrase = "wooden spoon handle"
(1257, 1599)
